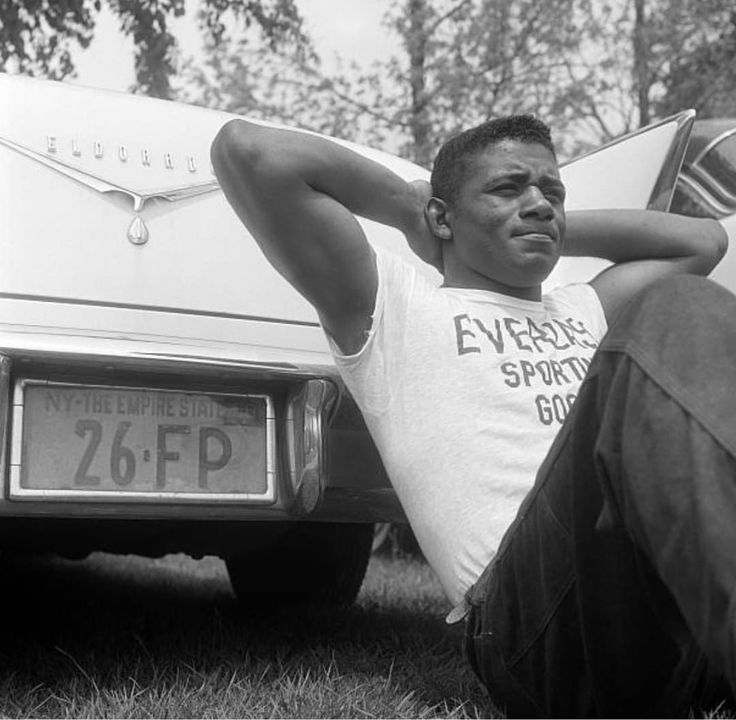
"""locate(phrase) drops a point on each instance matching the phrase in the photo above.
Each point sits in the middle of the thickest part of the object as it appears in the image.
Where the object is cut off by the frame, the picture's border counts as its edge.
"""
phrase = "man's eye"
(506, 189)
(554, 194)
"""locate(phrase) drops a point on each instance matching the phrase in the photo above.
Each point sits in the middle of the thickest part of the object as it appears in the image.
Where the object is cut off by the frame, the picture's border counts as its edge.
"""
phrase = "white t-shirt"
(463, 392)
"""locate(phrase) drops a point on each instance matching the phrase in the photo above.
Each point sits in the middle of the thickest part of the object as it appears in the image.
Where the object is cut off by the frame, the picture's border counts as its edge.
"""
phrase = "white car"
(162, 388)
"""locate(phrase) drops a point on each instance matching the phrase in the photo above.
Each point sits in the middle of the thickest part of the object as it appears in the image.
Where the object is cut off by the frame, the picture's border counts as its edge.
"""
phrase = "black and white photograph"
(367, 358)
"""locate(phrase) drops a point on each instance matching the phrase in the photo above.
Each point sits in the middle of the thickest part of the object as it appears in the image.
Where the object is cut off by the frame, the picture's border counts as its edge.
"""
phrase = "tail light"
(307, 413)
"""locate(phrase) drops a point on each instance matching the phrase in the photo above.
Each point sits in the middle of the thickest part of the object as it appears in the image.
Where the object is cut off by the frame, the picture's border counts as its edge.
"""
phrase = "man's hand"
(418, 234)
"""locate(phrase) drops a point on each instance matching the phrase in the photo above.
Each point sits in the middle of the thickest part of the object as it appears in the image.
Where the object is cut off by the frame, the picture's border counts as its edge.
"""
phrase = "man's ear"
(436, 214)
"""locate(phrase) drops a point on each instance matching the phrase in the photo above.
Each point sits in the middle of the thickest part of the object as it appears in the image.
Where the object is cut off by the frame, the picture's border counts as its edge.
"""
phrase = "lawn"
(130, 637)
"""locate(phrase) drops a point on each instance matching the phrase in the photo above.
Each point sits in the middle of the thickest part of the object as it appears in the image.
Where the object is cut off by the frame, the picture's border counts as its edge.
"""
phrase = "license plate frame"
(20, 466)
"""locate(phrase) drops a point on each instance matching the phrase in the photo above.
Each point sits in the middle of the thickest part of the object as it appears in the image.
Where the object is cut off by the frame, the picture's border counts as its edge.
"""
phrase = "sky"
(351, 28)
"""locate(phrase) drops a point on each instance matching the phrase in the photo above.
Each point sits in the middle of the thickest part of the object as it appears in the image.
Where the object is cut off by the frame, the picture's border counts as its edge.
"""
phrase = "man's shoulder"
(391, 260)
(581, 294)
(403, 273)
(579, 300)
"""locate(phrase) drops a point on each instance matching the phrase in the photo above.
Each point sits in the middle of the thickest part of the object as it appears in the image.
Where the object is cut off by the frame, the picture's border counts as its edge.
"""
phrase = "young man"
(595, 589)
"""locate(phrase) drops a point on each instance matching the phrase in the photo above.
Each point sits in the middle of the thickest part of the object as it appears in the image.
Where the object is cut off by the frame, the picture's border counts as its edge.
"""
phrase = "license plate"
(115, 442)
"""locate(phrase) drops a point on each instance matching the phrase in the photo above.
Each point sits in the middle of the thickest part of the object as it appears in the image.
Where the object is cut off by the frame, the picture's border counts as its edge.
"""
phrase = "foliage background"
(594, 69)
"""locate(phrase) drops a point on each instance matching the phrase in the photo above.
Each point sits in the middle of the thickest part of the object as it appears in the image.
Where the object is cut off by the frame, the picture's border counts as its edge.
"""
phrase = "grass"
(130, 637)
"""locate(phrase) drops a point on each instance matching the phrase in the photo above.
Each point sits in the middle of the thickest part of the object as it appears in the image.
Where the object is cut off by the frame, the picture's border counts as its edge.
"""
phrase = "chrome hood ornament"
(137, 232)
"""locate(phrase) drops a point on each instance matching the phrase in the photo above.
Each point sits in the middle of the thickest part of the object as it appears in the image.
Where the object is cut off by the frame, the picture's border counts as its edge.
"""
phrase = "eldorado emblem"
(137, 231)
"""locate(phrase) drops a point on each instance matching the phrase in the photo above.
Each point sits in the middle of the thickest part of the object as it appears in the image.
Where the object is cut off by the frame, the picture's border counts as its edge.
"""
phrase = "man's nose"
(537, 204)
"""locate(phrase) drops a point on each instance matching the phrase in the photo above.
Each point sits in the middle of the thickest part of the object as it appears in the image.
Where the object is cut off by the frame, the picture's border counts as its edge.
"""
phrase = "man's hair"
(452, 159)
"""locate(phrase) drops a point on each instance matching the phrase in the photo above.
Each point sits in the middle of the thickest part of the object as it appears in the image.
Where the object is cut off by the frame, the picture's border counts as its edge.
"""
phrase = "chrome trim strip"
(220, 361)
(715, 141)
(703, 174)
(94, 182)
(154, 308)
(720, 208)
(16, 448)
(664, 187)
(5, 411)
(17, 492)
(315, 365)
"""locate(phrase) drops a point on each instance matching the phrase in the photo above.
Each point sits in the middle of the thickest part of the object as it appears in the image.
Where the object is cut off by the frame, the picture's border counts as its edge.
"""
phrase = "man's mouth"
(536, 236)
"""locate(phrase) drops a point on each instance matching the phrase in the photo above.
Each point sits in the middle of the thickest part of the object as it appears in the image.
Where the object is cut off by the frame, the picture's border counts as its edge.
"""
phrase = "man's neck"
(476, 281)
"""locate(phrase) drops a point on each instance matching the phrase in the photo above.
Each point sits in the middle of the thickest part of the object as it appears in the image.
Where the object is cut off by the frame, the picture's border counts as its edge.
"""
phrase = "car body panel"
(105, 161)
(634, 172)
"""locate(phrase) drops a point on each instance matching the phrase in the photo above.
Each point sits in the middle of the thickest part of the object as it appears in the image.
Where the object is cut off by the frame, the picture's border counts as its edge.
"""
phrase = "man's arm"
(644, 246)
(297, 193)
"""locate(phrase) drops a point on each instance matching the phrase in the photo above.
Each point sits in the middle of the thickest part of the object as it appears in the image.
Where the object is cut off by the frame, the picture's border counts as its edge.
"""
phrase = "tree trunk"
(641, 62)
(419, 122)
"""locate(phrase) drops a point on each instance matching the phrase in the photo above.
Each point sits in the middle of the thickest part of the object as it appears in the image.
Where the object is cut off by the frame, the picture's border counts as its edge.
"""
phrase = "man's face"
(507, 221)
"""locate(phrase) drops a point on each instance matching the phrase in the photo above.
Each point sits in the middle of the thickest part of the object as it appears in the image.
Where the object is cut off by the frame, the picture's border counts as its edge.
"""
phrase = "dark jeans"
(613, 593)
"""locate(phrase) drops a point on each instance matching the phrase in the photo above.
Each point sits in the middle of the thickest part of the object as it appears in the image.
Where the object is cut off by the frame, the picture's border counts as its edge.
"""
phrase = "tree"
(594, 69)
(467, 54)
(37, 36)
(284, 85)
(471, 60)
(706, 79)
(640, 60)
